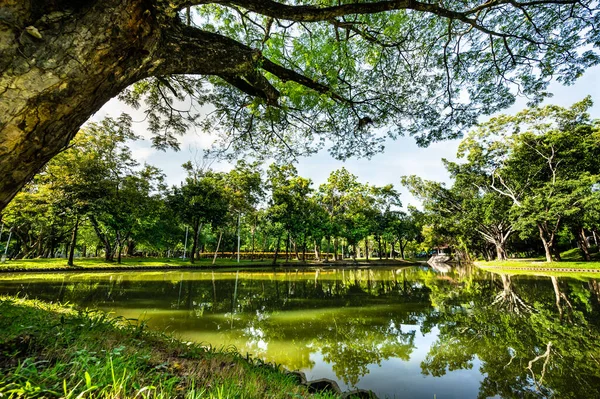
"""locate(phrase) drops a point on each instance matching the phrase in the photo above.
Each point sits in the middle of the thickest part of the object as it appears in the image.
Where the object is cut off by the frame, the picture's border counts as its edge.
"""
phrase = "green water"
(403, 333)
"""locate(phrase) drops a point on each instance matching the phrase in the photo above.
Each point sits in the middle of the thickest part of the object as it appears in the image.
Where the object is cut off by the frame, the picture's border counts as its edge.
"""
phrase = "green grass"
(99, 263)
(572, 264)
(584, 276)
(529, 263)
(149, 263)
(52, 351)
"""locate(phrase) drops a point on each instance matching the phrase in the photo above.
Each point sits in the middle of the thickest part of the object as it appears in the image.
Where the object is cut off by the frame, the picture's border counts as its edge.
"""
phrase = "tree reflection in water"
(529, 337)
(533, 354)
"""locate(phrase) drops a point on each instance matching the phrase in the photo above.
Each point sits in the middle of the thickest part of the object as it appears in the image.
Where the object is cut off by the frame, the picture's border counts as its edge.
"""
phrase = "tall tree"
(544, 160)
(282, 73)
(200, 199)
(335, 196)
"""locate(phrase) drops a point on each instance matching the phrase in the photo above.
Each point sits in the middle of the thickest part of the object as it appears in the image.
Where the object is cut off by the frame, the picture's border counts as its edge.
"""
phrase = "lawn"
(60, 264)
(571, 265)
(127, 263)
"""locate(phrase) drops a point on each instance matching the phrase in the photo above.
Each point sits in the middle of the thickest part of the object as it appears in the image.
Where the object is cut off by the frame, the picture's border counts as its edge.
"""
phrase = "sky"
(401, 157)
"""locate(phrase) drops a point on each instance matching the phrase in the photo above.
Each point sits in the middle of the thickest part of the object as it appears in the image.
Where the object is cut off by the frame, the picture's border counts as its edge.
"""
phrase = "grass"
(529, 263)
(583, 276)
(132, 263)
(571, 265)
(150, 263)
(52, 351)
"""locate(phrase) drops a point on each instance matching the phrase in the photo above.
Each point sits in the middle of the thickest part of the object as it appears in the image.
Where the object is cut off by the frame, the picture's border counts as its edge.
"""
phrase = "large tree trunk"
(579, 233)
(547, 244)
(130, 247)
(108, 252)
(253, 235)
(500, 252)
(335, 248)
(60, 61)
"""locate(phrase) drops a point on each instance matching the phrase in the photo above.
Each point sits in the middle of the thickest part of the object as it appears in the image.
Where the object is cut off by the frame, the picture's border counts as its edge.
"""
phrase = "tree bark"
(217, 249)
(119, 247)
(401, 248)
(555, 249)
(73, 242)
(287, 248)
(335, 248)
(130, 247)
(547, 243)
(500, 253)
(253, 235)
(108, 252)
(277, 249)
(197, 226)
(579, 233)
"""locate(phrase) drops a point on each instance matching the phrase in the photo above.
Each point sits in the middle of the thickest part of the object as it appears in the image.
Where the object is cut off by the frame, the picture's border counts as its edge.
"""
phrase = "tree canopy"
(535, 172)
(293, 76)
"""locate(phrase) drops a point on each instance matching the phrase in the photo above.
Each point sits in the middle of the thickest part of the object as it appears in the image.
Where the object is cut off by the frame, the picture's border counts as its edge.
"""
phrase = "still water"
(403, 333)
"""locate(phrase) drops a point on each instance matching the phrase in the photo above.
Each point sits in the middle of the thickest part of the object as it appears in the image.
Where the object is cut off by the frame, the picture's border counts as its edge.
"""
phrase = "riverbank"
(48, 350)
(96, 264)
(540, 268)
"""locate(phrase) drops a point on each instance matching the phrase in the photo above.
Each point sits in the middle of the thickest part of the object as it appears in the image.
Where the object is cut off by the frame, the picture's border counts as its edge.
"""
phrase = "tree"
(406, 227)
(544, 160)
(290, 204)
(335, 196)
(277, 73)
(95, 180)
(245, 190)
(200, 199)
(387, 201)
(465, 213)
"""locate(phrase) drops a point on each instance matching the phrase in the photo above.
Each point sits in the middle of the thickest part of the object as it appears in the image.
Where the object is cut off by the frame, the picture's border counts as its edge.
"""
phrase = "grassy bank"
(528, 263)
(59, 264)
(126, 263)
(580, 275)
(51, 351)
(571, 265)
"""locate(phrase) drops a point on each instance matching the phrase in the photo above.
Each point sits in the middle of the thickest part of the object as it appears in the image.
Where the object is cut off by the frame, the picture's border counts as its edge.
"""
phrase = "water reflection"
(411, 332)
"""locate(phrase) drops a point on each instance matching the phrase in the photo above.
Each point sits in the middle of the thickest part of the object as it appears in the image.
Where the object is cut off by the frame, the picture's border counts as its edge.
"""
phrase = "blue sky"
(401, 157)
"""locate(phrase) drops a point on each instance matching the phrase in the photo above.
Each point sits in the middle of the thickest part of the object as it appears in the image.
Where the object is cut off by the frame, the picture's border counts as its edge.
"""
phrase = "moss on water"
(49, 350)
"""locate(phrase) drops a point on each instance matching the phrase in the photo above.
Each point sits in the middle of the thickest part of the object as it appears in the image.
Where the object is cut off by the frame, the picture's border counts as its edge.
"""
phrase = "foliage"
(358, 73)
(535, 172)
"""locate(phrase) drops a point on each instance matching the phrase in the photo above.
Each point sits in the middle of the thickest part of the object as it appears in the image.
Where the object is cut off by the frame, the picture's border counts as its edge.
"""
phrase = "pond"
(403, 333)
